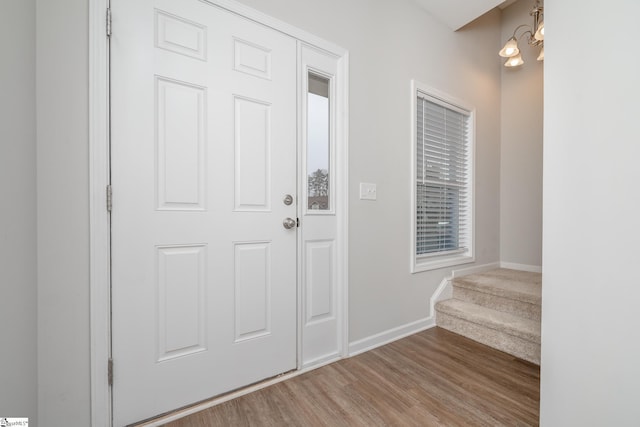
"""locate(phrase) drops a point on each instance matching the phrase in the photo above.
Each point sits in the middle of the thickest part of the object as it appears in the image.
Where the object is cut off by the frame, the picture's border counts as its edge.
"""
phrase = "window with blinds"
(443, 166)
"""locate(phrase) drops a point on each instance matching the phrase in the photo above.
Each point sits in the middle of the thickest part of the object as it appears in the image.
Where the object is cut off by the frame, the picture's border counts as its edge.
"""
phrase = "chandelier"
(535, 37)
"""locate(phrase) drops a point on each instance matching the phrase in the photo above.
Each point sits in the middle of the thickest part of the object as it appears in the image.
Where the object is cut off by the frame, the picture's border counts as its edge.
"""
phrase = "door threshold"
(217, 400)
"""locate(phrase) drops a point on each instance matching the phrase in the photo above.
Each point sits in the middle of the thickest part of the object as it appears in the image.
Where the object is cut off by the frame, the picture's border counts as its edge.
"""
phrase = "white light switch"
(368, 191)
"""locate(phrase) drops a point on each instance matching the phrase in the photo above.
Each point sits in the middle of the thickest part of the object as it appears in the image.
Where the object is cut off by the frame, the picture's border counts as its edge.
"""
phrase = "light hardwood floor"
(433, 378)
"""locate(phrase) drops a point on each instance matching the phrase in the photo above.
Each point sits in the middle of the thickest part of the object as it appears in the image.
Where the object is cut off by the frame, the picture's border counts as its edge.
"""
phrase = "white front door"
(203, 153)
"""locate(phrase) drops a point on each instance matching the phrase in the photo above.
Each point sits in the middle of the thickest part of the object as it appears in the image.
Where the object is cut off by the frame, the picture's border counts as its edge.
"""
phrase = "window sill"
(421, 264)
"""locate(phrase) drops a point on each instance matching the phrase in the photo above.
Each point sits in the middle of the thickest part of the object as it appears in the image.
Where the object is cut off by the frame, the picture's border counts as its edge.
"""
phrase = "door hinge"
(108, 22)
(109, 198)
(110, 372)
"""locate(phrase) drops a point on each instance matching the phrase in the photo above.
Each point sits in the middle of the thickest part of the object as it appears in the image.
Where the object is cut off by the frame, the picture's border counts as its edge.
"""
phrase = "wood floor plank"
(433, 378)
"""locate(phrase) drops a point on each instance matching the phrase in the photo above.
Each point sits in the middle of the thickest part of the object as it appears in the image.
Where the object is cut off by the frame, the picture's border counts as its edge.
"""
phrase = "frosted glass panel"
(318, 143)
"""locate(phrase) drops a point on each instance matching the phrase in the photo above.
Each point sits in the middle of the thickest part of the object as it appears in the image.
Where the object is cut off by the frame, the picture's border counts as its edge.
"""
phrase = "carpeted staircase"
(499, 308)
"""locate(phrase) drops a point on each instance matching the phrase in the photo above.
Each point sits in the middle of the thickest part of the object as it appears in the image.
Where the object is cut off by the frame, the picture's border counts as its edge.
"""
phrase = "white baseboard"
(521, 267)
(390, 335)
(443, 292)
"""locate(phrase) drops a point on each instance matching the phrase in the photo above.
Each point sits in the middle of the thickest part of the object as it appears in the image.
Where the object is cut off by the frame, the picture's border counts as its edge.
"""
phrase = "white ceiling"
(458, 13)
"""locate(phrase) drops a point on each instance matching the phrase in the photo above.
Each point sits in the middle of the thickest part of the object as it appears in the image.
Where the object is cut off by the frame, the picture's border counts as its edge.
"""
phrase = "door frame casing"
(99, 218)
(99, 179)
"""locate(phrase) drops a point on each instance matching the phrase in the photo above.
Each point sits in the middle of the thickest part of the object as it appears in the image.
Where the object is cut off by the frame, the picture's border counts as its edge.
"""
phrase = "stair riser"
(515, 346)
(507, 305)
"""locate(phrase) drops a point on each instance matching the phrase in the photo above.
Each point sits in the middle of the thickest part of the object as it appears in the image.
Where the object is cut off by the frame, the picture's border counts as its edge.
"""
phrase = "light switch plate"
(368, 191)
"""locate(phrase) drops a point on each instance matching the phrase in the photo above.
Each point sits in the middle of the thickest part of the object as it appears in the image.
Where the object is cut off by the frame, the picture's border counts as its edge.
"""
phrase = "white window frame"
(447, 258)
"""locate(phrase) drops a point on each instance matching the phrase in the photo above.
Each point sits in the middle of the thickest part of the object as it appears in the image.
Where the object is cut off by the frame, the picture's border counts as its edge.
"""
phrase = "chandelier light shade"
(510, 48)
(514, 61)
(534, 36)
(539, 35)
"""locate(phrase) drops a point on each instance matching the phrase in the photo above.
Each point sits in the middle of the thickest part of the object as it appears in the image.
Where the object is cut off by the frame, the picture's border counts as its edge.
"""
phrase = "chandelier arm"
(531, 40)
(518, 27)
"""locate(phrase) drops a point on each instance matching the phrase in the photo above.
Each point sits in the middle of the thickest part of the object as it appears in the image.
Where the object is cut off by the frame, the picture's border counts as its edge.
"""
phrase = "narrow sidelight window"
(318, 144)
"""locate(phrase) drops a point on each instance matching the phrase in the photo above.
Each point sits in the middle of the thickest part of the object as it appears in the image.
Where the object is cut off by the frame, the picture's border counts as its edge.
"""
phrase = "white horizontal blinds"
(442, 190)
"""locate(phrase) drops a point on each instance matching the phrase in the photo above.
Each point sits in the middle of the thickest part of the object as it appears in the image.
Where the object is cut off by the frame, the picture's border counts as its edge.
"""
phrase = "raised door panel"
(181, 145)
(252, 154)
(181, 278)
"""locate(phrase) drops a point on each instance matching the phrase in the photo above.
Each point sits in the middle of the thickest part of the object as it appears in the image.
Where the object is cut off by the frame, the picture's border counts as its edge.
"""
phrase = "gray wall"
(18, 369)
(521, 148)
(591, 290)
(63, 212)
(391, 42)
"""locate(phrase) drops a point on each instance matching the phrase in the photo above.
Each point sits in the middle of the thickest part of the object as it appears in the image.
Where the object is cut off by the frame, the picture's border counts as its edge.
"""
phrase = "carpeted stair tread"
(517, 285)
(500, 340)
(508, 323)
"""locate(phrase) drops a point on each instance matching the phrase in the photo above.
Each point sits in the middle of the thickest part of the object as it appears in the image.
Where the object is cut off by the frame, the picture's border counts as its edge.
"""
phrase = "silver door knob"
(289, 223)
